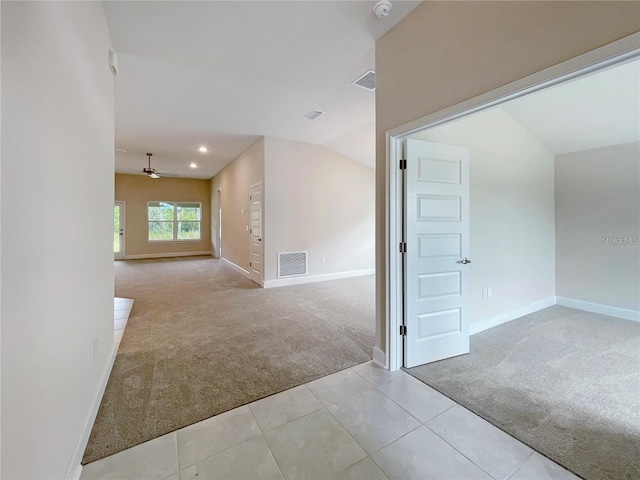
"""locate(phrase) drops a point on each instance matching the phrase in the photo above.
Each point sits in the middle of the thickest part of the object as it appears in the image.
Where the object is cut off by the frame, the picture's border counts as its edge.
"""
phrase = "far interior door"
(118, 230)
(256, 241)
(436, 271)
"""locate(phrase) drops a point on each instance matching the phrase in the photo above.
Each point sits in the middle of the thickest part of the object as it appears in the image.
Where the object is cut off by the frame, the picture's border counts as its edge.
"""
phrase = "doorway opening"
(118, 231)
(599, 60)
(256, 244)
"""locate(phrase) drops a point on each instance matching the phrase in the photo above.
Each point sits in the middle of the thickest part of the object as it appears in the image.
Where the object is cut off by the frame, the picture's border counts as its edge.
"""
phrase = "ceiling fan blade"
(153, 175)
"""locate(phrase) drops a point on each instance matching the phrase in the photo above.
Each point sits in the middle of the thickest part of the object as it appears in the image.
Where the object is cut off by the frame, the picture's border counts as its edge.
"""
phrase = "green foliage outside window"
(174, 221)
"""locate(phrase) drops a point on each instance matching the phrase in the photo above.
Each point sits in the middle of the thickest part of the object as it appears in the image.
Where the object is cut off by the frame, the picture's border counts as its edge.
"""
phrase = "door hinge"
(249, 263)
(403, 247)
(403, 164)
(403, 330)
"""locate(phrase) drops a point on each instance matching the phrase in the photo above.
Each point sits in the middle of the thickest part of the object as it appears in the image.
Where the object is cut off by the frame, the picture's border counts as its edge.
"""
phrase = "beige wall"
(233, 182)
(597, 202)
(137, 190)
(57, 232)
(320, 202)
(512, 211)
(443, 53)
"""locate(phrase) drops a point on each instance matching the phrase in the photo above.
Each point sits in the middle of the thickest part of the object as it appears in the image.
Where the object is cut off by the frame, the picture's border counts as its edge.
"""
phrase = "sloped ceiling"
(595, 111)
(222, 74)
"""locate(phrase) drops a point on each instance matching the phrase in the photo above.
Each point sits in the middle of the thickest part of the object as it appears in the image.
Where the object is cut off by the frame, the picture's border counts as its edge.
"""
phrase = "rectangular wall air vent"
(313, 114)
(292, 264)
(366, 80)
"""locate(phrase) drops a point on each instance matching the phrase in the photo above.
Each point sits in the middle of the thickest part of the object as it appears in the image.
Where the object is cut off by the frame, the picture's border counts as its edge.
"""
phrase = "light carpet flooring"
(202, 339)
(361, 423)
(565, 382)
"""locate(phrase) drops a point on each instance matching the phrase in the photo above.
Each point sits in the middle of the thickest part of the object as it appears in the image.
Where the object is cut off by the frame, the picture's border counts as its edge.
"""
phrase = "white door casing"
(256, 239)
(119, 231)
(436, 272)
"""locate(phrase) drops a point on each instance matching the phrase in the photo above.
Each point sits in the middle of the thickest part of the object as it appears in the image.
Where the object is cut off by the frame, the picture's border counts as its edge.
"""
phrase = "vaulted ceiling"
(222, 74)
(593, 111)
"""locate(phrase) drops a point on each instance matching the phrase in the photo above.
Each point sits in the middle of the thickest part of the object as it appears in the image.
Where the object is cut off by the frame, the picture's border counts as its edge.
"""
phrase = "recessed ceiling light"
(193, 165)
(203, 149)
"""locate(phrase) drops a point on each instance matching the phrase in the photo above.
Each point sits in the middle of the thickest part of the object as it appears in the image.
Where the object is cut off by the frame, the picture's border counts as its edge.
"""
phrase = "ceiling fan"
(150, 172)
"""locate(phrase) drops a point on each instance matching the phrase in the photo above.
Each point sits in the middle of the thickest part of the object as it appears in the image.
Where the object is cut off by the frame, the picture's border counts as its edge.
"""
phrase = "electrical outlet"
(484, 292)
(488, 291)
(323, 259)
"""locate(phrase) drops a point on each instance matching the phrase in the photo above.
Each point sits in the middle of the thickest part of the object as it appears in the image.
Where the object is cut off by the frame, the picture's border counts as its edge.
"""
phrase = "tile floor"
(121, 311)
(360, 423)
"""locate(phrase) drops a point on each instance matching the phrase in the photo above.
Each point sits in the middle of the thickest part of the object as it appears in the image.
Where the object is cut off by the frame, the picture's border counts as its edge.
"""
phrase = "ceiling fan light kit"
(150, 172)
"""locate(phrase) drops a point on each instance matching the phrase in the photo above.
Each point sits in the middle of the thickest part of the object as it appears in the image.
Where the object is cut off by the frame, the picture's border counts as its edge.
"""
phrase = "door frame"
(217, 234)
(251, 187)
(123, 226)
(609, 55)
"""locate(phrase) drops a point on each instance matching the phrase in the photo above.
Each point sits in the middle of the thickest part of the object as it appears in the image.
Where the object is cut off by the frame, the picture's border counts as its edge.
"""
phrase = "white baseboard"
(282, 282)
(379, 357)
(482, 325)
(237, 268)
(624, 313)
(75, 466)
(167, 255)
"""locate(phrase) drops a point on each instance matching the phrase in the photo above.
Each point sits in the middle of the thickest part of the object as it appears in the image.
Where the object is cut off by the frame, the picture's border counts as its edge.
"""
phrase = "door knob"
(464, 261)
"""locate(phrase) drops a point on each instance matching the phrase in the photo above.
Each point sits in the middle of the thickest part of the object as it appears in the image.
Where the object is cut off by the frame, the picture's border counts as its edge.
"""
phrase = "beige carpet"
(202, 339)
(563, 381)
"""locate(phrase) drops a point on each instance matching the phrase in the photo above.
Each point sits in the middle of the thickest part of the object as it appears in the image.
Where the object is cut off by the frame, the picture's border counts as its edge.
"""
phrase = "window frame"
(175, 221)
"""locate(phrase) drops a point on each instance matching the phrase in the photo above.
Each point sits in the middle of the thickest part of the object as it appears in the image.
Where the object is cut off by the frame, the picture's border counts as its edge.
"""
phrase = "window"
(170, 221)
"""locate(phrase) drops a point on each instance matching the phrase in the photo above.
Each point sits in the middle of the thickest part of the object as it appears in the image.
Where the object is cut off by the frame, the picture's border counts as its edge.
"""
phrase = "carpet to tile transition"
(563, 381)
(202, 339)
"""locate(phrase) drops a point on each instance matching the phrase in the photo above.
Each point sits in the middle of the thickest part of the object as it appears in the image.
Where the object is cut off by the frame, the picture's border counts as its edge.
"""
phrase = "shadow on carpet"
(202, 339)
(565, 382)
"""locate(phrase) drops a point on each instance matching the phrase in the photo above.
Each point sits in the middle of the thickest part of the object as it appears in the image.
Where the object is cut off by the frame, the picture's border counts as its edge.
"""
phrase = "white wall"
(57, 240)
(233, 181)
(512, 212)
(598, 225)
(319, 201)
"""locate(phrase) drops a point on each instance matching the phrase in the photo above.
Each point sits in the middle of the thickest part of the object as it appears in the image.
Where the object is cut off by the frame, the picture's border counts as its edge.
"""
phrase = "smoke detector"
(382, 8)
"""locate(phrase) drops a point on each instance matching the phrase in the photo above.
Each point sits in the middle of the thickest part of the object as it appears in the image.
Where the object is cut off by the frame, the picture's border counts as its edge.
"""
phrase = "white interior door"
(436, 273)
(256, 246)
(118, 230)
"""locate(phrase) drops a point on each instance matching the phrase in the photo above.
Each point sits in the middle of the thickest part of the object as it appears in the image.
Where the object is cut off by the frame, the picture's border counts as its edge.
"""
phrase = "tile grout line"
(262, 434)
(520, 466)
(369, 455)
(341, 426)
(419, 421)
(461, 453)
(224, 449)
(395, 403)
(175, 435)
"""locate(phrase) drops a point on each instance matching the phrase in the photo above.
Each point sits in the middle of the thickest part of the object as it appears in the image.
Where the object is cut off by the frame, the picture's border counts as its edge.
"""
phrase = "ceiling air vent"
(366, 80)
(313, 114)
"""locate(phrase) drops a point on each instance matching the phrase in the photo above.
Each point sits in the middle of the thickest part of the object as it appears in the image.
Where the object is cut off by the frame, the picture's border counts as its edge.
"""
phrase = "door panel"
(256, 239)
(437, 238)
(118, 230)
